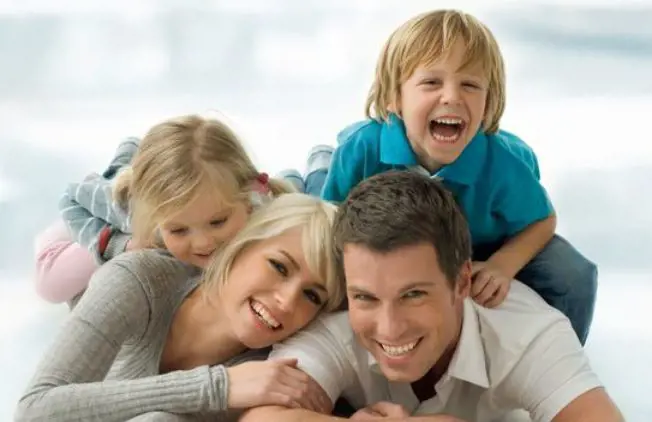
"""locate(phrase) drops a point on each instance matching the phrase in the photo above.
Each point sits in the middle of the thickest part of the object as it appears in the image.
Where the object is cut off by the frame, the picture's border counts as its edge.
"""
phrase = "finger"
(498, 297)
(304, 390)
(476, 267)
(292, 362)
(487, 293)
(479, 283)
(390, 410)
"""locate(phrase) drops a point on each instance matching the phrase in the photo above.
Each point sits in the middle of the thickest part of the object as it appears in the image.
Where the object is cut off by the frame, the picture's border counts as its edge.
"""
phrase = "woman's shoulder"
(158, 272)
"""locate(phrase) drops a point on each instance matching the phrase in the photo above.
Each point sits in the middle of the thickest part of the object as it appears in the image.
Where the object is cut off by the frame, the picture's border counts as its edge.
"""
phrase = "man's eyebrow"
(418, 284)
(356, 289)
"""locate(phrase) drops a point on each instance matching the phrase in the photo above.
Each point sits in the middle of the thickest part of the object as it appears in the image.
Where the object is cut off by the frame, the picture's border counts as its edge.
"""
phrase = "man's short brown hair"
(403, 208)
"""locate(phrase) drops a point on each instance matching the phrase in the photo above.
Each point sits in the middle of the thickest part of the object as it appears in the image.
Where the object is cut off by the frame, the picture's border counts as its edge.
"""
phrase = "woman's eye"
(279, 267)
(313, 297)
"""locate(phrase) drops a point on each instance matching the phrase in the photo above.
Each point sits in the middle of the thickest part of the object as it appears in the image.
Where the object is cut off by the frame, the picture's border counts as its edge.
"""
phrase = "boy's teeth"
(264, 315)
(449, 121)
(398, 350)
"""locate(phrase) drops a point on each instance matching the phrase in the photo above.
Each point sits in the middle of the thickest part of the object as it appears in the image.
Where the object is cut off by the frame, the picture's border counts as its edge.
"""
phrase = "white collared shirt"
(523, 354)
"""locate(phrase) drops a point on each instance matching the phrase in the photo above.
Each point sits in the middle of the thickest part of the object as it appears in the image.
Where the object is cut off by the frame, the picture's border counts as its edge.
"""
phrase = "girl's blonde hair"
(427, 38)
(310, 214)
(174, 160)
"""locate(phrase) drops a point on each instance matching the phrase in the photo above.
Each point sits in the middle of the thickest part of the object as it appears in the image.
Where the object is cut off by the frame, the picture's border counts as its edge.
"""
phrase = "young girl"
(183, 162)
(151, 339)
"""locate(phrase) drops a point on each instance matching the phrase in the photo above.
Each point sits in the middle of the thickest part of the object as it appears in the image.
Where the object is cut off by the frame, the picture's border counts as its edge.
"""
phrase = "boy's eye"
(312, 296)
(279, 267)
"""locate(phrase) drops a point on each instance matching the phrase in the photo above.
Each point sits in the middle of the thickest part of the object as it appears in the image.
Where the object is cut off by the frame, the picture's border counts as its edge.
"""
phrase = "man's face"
(402, 308)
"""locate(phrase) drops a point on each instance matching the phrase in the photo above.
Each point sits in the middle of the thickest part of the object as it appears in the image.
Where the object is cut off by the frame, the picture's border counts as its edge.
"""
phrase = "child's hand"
(490, 286)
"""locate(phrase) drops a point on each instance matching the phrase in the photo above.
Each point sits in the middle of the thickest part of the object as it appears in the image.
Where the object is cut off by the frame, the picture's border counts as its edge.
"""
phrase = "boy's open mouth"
(446, 129)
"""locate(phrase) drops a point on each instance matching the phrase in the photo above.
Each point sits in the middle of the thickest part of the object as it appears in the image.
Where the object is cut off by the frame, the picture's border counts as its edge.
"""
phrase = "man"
(413, 337)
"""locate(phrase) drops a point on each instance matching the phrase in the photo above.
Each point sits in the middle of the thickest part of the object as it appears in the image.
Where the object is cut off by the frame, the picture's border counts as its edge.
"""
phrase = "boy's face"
(403, 309)
(443, 107)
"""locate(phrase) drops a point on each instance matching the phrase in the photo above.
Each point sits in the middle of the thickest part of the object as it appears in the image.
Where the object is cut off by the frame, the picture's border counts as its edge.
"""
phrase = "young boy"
(435, 107)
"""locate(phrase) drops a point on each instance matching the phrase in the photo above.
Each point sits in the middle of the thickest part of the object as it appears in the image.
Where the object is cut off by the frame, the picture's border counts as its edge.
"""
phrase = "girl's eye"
(179, 232)
(218, 223)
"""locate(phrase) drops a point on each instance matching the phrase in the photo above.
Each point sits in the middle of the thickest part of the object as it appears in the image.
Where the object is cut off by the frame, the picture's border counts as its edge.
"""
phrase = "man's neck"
(424, 388)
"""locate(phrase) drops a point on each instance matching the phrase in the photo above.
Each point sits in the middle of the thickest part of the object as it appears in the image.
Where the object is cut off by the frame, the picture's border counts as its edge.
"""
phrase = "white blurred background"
(78, 75)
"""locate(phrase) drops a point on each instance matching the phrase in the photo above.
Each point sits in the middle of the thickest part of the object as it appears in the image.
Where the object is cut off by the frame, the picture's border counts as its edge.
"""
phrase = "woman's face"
(270, 293)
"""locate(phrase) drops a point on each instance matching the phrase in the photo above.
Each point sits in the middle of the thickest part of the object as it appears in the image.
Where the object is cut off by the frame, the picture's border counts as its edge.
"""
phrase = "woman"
(150, 336)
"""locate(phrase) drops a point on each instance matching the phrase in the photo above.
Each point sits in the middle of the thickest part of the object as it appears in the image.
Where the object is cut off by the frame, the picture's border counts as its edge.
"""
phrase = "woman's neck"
(201, 334)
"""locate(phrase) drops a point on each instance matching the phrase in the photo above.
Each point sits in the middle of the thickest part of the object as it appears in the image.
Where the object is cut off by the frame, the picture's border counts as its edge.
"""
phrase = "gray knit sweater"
(104, 363)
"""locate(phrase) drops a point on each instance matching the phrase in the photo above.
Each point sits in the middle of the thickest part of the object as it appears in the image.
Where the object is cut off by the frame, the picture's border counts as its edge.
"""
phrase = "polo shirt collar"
(395, 149)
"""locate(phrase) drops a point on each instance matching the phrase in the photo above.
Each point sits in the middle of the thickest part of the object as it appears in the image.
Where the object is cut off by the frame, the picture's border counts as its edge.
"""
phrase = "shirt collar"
(395, 149)
(468, 363)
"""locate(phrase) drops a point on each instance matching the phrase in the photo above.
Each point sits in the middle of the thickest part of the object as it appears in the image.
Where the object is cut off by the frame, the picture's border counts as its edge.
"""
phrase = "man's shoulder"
(509, 330)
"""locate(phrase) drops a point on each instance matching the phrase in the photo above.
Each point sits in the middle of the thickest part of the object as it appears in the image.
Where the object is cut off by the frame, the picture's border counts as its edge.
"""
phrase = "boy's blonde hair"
(175, 160)
(312, 215)
(427, 38)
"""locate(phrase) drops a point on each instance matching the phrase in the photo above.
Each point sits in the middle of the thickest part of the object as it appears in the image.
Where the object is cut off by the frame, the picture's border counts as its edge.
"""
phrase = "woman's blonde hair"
(427, 38)
(175, 159)
(312, 215)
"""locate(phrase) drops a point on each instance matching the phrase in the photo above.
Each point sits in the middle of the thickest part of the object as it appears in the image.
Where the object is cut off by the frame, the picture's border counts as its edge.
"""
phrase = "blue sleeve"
(343, 175)
(522, 200)
(354, 159)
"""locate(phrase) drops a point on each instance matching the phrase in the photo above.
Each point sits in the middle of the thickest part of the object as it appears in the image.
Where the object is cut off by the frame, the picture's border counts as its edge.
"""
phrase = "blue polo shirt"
(495, 179)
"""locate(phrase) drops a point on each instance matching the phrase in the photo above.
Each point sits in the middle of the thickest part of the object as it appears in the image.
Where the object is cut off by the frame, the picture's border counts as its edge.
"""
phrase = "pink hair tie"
(263, 178)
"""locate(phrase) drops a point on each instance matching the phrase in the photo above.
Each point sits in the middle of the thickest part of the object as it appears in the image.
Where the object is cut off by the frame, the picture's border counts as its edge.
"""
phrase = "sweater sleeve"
(87, 209)
(70, 384)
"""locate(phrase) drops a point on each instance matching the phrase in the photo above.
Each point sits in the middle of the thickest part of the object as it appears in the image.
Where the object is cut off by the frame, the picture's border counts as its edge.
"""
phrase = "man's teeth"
(264, 315)
(398, 350)
(449, 121)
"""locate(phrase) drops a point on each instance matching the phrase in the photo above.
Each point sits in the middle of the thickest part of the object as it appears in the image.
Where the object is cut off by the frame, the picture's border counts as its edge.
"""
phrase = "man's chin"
(403, 375)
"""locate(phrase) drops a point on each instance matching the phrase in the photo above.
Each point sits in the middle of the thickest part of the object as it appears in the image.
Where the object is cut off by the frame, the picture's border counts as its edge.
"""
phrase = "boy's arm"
(521, 248)
(528, 215)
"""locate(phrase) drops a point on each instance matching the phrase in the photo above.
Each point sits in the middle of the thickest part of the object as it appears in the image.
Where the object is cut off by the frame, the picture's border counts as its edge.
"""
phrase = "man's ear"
(464, 277)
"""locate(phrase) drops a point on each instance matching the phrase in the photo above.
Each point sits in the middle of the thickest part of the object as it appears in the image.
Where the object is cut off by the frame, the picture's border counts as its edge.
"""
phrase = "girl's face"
(202, 227)
(270, 293)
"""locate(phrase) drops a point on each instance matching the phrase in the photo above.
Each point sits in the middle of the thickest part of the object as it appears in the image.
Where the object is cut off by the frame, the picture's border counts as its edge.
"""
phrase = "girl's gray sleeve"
(70, 384)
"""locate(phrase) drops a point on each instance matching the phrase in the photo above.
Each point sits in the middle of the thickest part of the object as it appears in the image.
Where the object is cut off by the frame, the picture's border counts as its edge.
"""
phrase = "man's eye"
(363, 297)
(414, 294)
